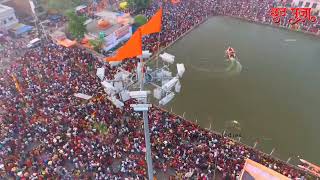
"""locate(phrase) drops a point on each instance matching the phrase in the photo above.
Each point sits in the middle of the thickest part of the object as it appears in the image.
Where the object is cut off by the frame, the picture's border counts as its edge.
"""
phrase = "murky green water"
(276, 97)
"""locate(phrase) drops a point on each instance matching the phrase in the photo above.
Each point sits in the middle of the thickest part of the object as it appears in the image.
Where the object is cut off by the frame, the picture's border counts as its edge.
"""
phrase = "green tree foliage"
(97, 44)
(76, 26)
(139, 4)
(60, 6)
(140, 20)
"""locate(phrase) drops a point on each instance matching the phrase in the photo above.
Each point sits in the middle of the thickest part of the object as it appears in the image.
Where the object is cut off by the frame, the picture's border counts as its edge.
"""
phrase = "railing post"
(289, 159)
(272, 151)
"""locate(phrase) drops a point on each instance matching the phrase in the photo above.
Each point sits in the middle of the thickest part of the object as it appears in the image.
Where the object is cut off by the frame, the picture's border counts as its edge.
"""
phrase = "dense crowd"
(46, 132)
(10, 45)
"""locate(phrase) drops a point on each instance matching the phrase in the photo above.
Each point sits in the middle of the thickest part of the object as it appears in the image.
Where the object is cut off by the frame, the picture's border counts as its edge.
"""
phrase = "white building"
(7, 17)
(314, 4)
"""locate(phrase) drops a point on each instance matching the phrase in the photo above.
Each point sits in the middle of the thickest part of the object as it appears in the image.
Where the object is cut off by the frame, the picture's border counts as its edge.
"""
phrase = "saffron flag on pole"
(132, 48)
(153, 25)
(16, 82)
(255, 171)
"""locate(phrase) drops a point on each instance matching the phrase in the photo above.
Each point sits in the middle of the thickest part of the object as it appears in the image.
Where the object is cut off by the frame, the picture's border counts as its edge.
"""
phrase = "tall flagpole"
(145, 113)
(158, 50)
(148, 145)
(159, 39)
(140, 70)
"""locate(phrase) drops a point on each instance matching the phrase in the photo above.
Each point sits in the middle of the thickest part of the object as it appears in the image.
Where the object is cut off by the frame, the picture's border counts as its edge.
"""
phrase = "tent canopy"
(21, 28)
(82, 96)
(103, 23)
(123, 5)
(254, 170)
(58, 35)
(55, 17)
(78, 8)
(67, 43)
(85, 40)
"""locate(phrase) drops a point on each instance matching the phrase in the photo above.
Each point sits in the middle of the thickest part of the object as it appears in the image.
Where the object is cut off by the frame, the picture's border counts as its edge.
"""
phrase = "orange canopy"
(67, 43)
(103, 23)
(88, 45)
(175, 1)
(256, 171)
(84, 40)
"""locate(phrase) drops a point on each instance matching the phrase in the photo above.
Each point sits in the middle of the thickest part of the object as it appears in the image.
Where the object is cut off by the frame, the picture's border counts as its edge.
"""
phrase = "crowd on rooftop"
(46, 132)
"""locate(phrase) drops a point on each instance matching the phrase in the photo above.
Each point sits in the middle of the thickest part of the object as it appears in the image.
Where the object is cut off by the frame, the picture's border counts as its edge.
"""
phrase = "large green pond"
(276, 97)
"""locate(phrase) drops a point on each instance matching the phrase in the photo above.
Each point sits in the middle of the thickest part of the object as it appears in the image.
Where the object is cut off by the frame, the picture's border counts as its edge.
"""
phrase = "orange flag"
(132, 48)
(153, 25)
(16, 82)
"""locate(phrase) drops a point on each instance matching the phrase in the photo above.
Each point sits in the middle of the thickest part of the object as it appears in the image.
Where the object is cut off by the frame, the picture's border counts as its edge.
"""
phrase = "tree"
(139, 4)
(76, 26)
(140, 20)
(96, 43)
(60, 6)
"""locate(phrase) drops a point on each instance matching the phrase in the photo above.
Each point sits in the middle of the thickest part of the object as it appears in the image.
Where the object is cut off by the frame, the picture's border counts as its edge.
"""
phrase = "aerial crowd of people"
(46, 132)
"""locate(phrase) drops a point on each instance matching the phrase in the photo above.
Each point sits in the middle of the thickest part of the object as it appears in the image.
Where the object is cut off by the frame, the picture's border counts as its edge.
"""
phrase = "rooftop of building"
(110, 17)
(94, 29)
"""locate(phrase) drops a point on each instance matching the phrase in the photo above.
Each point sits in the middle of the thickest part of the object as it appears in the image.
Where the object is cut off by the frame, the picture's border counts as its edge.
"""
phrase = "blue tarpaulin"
(120, 13)
(56, 17)
(20, 29)
(24, 29)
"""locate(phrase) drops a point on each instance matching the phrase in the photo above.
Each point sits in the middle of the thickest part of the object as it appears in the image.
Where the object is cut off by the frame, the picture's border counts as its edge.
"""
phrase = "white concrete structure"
(7, 17)
(314, 4)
